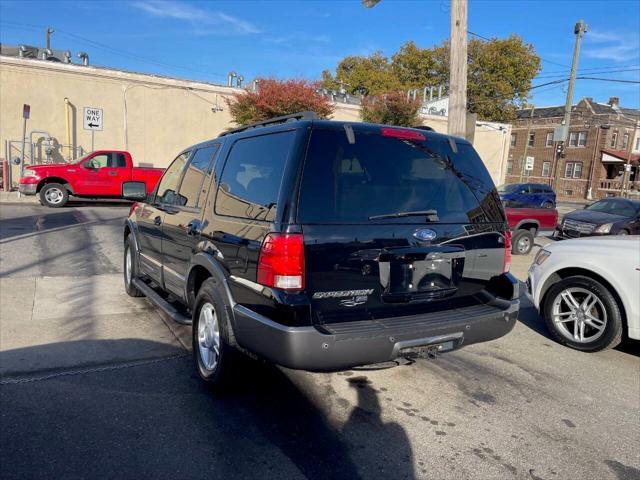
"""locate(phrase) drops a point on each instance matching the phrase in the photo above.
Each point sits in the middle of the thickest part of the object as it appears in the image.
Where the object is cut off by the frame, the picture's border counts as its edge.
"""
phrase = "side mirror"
(587, 205)
(134, 191)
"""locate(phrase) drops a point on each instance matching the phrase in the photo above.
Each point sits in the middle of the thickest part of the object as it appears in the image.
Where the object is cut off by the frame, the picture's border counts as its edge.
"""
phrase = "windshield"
(508, 188)
(613, 206)
(380, 179)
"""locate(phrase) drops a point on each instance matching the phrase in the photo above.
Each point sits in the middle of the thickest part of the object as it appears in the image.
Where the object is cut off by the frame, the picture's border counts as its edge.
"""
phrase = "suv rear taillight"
(507, 252)
(281, 263)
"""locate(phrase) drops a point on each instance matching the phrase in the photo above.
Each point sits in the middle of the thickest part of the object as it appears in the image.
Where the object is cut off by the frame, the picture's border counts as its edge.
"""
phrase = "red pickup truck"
(526, 223)
(98, 175)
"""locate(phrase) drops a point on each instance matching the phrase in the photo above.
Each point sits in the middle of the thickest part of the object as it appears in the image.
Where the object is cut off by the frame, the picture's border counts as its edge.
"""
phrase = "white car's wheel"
(583, 314)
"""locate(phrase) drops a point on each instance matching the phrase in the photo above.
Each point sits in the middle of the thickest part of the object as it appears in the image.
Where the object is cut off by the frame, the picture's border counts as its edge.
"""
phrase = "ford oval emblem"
(425, 234)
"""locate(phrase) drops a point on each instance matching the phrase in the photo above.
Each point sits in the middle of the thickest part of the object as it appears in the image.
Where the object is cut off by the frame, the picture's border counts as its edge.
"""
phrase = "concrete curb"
(17, 197)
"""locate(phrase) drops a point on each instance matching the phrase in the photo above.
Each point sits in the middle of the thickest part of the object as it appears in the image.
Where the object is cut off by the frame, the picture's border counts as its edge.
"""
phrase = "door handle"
(157, 221)
(112, 173)
(194, 227)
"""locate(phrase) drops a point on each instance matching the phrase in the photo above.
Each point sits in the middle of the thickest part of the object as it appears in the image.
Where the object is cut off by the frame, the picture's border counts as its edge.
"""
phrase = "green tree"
(500, 72)
(370, 75)
(275, 98)
(499, 76)
(393, 108)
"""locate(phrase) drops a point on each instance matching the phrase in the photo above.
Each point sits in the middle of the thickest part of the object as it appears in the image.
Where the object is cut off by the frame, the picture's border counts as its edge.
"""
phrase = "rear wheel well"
(197, 276)
(572, 272)
(59, 180)
(531, 226)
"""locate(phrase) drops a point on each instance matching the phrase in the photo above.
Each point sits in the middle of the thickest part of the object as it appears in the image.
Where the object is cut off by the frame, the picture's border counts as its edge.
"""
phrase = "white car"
(588, 290)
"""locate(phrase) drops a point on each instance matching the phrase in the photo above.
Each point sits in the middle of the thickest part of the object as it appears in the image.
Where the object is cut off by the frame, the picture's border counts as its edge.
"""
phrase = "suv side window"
(167, 188)
(251, 178)
(193, 183)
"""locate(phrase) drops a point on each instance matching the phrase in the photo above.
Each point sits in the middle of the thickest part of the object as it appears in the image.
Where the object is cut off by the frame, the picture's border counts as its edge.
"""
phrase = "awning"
(619, 157)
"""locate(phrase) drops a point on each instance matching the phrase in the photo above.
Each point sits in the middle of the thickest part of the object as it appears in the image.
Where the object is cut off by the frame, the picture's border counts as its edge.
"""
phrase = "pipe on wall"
(66, 125)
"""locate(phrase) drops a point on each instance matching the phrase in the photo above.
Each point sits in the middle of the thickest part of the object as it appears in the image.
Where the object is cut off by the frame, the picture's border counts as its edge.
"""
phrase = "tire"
(522, 242)
(623, 232)
(54, 195)
(215, 369)
(605, 309)
(547, 205)
(130, 267)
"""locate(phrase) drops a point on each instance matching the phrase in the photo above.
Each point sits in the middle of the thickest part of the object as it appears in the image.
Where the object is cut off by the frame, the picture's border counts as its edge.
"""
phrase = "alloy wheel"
(208, 337)
(579, 315)
(54, 195)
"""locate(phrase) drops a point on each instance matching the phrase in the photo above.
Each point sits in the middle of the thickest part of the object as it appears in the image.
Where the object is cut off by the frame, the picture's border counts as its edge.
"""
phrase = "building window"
(577, 139)
(577, 170)
(568, 170)
(532, 137)
(582, 139)
(614, 139)
(509, 167)
(549, 141)
(637, 144)
(514, 137)
(573, 170)
(625, 141)
(546, 169)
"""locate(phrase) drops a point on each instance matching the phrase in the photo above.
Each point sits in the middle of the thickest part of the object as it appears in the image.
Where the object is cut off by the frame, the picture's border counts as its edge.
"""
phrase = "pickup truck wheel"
(583, 314)
(213, 356)
(54, 195)
(547, 205)
(130, 268)
(522, 242)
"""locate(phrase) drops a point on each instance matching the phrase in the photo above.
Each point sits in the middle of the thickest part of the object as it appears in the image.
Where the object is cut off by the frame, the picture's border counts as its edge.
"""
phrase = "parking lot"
(95, 384)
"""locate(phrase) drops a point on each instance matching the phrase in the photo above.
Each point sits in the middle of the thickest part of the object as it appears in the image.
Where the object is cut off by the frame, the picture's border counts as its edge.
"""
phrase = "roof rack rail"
(273, 121)
(424, 127)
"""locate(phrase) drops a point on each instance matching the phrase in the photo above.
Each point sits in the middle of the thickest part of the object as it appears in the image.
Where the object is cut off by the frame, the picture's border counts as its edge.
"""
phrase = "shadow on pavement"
(157, 419)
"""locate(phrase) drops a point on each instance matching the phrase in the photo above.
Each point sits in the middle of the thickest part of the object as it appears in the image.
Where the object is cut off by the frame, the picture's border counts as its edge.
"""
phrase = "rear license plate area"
(425, 351)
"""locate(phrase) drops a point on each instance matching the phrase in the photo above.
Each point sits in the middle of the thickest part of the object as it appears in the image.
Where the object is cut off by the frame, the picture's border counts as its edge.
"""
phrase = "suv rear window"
(350, 182)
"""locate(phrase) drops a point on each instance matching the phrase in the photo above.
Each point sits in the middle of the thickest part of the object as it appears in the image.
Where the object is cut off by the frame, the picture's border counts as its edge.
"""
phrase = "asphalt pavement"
(94, 384)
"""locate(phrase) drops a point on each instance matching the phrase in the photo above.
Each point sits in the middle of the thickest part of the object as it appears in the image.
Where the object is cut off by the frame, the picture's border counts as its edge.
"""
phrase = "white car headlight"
(541, 256)
(604, 228)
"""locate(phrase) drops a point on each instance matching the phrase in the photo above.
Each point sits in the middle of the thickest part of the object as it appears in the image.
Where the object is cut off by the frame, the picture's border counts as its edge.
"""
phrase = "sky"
(204, 40)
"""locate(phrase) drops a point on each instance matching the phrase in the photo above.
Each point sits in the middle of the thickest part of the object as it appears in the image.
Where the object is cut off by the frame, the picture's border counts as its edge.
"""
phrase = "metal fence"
(43, 152)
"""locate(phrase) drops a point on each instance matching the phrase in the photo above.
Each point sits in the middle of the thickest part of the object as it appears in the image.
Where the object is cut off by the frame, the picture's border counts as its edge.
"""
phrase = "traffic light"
(560, 149)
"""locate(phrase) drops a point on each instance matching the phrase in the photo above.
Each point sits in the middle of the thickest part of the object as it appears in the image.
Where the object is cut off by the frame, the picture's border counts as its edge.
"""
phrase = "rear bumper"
(349, 344)
(28, 188)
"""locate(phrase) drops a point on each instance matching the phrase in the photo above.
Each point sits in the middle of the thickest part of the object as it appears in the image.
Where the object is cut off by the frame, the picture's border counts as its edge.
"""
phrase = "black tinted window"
(193, 182)
(376, 175)
(617, 207)
(168, 186)
(251, 178)
(117, 160)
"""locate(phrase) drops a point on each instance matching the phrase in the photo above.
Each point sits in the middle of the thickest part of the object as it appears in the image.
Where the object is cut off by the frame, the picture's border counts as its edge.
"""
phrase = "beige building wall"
(153, 117)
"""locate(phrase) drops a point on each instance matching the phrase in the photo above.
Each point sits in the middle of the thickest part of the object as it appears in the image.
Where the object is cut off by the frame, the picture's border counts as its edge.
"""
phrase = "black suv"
(323, 245)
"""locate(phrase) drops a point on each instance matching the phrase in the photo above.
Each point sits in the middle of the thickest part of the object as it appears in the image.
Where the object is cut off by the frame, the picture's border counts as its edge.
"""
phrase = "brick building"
(603, 138)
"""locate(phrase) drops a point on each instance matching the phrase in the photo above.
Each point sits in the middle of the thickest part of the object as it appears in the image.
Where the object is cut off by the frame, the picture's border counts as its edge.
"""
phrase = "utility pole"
(523, 162)
(457, 120)
(49, 32)
(579, 30)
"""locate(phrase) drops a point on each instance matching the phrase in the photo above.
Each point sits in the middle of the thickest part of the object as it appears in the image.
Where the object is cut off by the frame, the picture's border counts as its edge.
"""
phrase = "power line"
(115, 51)
(593, 72)
(543, 59)
(617, 80)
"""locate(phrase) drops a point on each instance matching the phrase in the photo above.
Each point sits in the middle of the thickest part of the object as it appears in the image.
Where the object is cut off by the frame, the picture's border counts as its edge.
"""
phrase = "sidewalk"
(17, 197)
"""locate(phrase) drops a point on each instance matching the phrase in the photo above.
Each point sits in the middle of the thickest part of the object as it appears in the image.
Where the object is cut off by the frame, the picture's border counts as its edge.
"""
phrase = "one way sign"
(92, 118)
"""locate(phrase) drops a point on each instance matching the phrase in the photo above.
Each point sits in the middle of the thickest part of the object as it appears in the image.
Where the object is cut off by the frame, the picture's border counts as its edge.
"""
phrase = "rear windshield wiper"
(417, 213)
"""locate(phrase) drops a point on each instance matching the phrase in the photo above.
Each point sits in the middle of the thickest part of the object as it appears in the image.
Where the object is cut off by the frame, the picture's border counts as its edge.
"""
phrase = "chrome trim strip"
(173, 272)
(152, 260)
